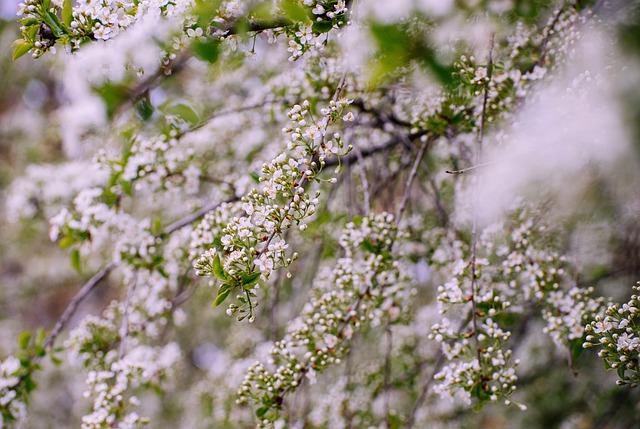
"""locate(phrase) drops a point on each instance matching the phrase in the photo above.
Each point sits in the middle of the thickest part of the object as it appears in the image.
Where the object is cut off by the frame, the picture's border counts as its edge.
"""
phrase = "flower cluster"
(618, 335)
(306, 36)
(142, 365)
(12, 408)
(254, 244)
(114, 373)
(364, 289)
(47, 22)
(512, 271)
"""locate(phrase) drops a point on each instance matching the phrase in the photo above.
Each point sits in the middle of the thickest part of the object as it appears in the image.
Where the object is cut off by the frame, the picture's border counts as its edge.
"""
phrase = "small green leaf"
(184, 111)
(249, 280)
(75, 260)
(24, 339)
(21, 47)
(322, 26)
(262, 411)
(295, 11)
(127, 188)
(221, 297)
(366, 245)
(113, 96)
(66, 242)
(144, 109)
(224, 287)
(32, 32)
(208, 50)
(156, 226)
(67, 12)
(54, 23)
(28, 21)
(217, 268)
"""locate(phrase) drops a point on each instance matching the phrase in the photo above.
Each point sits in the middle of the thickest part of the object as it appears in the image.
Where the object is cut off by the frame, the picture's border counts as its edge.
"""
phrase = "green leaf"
(322, 26)
(208, 50)
(127, 187)
(113, 96)
(75, 260)
(221, 297)
(24, 339)
(66, 242)
(262, 411)
(32, 32)
(263, 11)
(156, 226)
(28, 21)
(249, 280)
(144, 109)
(184, 111)
(217, 268)
(56, 360)
(54, 23)
(206, 10)
(295, 11)
(366, 245)
(21, 47)
(224, 287)
(67, 12)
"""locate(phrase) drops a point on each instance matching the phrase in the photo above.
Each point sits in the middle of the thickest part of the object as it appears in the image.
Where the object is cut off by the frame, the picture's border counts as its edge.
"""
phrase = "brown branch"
(412, 176)
(75, 302)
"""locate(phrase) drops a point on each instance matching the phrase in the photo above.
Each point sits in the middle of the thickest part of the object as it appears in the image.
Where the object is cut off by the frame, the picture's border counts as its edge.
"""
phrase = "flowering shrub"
(413, 213)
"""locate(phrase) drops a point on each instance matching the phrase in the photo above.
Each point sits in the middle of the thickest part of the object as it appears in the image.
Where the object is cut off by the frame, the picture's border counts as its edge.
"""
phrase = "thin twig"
(365, 183)
(226, 112)
(189, 219)
(75, 302)
(412, 175)
(464, 170)
(424, 391)
(440, 358)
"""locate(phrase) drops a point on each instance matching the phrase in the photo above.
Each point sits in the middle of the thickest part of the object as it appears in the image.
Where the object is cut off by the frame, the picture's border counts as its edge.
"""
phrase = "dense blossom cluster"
(512, 271)
(189, 177)
(114, 373)
(254, 244)
(13, 408)
(617, 334)
(365, 288)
